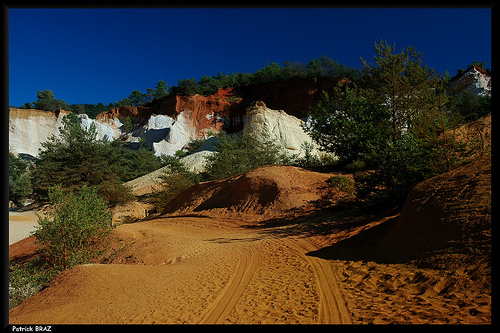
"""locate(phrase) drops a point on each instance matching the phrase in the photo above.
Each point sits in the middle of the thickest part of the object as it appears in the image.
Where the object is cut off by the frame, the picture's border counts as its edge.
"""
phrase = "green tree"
(481, 64)
(186, 87)
(48, 102)
(351, 126)
(373, 123)
(470, 106)
(77, 230)
(27, 106)
(19, 180)
(76, 157)
(314, 69)
(399, 83)
(136, 98)
(160, 90)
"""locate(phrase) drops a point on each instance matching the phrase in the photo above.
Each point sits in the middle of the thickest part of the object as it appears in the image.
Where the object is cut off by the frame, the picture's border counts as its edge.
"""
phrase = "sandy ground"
(214, 271)
(271, 247)
(194, 270)
(21, 225)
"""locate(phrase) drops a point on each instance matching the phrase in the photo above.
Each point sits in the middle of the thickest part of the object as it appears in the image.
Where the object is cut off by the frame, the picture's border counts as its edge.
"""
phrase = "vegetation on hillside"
(75, 231)
(206, 85)
(392, 121)
(76, 157)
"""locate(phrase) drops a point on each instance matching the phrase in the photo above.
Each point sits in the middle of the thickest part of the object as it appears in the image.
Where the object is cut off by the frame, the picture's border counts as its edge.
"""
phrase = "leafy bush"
(115, 192)
(19, 179)
(77, 230)
(174, 181)
(235, 154)
(342, 183)
(26, 279)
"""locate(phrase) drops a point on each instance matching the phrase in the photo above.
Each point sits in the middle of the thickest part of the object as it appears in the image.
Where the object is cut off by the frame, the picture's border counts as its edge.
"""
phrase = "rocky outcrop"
(170, 124)
(28, 128)
(286, 131)
(475, 79)
(105, 130)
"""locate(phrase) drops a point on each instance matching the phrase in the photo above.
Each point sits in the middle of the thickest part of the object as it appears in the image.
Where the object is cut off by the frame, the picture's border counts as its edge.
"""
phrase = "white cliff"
(28, 128)
(276, 125)
(474, 79)
(105, 131)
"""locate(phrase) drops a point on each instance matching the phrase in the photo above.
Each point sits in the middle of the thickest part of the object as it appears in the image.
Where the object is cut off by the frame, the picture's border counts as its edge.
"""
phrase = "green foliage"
(91, 110)
(390, 122)
(72, 158)
(76, 157)
(136, 98)
(350, 126)
(194, 144)
(481, 64)
(128, 126)
(316, 68)
(236, 154)
(470, 106)
(27, 279)
(342, 183)
(399, 83)
(114, 192)
(19, 180)
(47, 101)
(77, 230)
(185, 87)
(160, 90)
(308, 160)
(174, 180)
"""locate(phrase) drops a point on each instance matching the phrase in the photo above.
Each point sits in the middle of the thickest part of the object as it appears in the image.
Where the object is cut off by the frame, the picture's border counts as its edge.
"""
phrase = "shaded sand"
(308, 262)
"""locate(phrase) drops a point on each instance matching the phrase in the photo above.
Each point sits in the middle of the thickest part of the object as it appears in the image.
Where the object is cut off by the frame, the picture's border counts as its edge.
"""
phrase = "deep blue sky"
(101, 55)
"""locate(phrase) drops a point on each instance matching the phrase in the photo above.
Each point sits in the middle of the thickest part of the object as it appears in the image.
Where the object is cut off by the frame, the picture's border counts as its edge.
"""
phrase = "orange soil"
(233, 266)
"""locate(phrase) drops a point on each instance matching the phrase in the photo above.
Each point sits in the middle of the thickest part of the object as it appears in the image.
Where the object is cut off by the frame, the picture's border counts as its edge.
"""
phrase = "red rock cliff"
(227, 107)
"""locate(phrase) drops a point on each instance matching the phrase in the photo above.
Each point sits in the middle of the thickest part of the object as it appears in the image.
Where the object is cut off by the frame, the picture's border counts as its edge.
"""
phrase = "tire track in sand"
(219, 309)
(332, 307)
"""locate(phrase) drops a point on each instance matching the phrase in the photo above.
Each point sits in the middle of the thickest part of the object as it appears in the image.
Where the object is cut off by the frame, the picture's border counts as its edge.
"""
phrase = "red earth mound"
(448, 216)
(267, 192)
(445, 224)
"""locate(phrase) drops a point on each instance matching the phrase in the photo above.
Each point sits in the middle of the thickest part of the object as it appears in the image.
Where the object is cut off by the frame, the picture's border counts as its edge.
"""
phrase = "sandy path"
(218, 310)
(193, 270)
(21, 225)
(213, 271)
(332, 305)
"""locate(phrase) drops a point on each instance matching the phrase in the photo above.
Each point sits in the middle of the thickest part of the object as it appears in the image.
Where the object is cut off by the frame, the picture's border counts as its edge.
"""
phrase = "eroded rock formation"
(475, 79)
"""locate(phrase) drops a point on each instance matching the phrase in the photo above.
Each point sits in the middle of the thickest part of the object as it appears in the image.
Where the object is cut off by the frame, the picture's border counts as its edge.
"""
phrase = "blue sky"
(102, 55)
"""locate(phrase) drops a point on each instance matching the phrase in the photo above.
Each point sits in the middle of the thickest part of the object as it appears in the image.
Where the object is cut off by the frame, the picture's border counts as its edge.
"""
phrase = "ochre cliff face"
(227, 107)
(475, 79)
(202, 113)
(122, 112)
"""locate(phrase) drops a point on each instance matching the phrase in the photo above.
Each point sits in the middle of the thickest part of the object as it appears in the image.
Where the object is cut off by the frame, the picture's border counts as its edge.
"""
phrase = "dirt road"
(194, 270)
